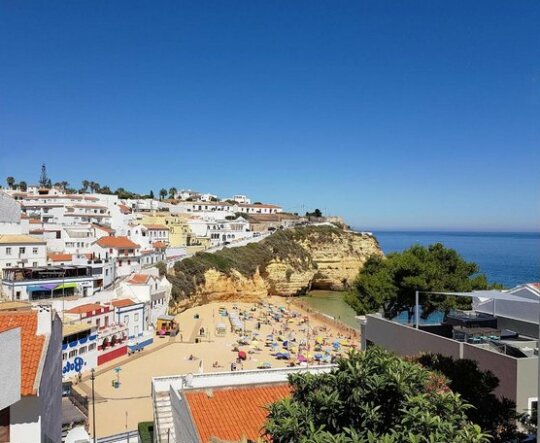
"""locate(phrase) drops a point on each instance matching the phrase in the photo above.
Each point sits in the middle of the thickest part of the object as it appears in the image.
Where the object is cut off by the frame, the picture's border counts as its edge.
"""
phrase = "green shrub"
(283, 245)
(146, 431)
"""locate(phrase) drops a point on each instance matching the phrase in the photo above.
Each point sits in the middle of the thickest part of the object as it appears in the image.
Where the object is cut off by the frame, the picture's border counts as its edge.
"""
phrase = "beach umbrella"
(269, 337)
(319, 340)
(318, 356)
(301, 358)
(274, 345)
(242, 355)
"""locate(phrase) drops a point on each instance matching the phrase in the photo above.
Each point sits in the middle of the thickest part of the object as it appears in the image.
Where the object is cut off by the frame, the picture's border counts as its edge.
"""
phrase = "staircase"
(164, 418)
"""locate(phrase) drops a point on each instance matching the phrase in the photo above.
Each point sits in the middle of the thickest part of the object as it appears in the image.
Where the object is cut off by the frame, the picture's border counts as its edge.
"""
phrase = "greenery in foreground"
(372, 397)
(284, 245)
(146, 431)
(390, 283)
(496, 416)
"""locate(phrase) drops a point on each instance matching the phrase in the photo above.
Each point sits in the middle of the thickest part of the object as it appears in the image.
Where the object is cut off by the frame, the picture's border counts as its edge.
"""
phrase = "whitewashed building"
(31, 378)
(21, 250)
(125, 254)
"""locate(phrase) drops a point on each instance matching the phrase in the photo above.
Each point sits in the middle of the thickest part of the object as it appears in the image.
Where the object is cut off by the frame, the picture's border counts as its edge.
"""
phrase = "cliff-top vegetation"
(283, 245)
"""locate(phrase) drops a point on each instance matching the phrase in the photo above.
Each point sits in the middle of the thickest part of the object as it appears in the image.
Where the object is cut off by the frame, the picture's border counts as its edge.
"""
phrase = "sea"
(508, 258)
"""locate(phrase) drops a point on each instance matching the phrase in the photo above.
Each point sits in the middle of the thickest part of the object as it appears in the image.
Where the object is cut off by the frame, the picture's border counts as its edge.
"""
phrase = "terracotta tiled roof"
(31, 345)
(103, 228)
(122, 303)
(159, 245)
(124, 209)
(261, 205)
(58, 256)
(83, 309)
(154, 227)
(233, 413)
(116, 242)
(139, 279)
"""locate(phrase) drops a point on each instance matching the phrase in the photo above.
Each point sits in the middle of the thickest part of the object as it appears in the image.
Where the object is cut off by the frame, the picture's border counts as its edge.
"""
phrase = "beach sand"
(118, 410)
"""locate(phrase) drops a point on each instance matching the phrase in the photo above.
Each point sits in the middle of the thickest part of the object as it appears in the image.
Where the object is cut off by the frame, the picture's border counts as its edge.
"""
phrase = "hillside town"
(84, 286)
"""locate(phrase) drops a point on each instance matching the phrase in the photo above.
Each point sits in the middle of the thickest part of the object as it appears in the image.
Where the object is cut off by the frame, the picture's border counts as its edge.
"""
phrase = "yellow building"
(180, 234)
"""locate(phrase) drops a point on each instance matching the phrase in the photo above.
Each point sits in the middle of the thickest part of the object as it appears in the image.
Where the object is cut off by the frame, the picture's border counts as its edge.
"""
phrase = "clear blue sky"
(395, 114)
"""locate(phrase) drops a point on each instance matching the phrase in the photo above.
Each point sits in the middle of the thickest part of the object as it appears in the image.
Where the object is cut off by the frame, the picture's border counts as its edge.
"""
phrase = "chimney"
(45, 316)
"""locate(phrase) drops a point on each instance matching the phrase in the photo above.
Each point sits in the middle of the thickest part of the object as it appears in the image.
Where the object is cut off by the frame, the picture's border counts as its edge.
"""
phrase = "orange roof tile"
(31, 345)
(154, 227)
(59, 256)
(103, 228)
(159, 245)
(116, 242)
(83, 309)
(124, 209)
(123, 303)
(139, 279)
(233, 413)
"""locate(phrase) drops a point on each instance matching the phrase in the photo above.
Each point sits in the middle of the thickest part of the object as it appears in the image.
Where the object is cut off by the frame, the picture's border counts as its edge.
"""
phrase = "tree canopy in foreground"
(493, 414)
(371, 397)
(390, 283)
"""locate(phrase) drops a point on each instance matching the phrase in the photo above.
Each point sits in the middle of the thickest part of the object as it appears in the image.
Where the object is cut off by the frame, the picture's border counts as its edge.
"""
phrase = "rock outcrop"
(288, 263)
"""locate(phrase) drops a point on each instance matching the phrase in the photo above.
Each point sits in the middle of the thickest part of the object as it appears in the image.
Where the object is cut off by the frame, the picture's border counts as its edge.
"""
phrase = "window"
(92, 347)
(64, 356)
(533, 408)
(136, 317)
(126, 319)
(73, 353)
(97, 322)
(8, 265)
(34, 251)
(82, 350)
(8, 251)
(22, 250)
(18, 295)
(34, 264)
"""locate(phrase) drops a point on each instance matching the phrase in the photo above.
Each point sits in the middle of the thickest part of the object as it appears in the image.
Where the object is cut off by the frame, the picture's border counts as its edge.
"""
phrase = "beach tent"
(242, 355)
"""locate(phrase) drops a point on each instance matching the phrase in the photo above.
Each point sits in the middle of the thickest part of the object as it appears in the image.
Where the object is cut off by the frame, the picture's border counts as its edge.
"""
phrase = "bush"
(146, 431)
(284, 245)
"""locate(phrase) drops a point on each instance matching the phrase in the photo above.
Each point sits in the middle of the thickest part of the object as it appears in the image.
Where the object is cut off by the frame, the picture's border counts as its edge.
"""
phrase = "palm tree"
(172, 192)
(85, 184)
(162, 193)
(10, 182)
(23, 186)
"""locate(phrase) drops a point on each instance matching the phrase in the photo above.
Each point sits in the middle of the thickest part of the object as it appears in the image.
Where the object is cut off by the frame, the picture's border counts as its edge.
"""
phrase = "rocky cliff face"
(328, 258)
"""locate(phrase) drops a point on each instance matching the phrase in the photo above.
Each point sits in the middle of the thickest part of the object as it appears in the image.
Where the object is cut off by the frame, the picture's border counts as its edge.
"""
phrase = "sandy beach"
(295, 333)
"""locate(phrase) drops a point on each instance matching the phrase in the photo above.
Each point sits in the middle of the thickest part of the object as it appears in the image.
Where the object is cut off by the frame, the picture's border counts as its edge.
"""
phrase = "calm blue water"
(507, 258)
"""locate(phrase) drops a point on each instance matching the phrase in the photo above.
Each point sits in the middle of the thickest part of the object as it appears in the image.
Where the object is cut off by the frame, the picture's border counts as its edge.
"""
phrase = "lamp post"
(93, 377)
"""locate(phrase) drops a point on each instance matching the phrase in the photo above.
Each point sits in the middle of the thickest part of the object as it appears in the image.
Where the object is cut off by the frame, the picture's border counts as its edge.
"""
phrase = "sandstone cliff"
(287, 263)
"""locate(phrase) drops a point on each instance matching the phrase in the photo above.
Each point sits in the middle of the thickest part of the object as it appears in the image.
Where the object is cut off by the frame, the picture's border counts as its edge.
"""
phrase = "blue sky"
(395, 114)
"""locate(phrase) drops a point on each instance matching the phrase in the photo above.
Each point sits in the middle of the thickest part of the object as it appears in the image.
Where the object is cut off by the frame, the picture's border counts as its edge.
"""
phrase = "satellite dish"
(189, 380)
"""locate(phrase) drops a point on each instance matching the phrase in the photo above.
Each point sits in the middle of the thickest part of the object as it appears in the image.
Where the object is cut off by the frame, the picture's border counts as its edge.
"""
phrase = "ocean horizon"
(509, 258)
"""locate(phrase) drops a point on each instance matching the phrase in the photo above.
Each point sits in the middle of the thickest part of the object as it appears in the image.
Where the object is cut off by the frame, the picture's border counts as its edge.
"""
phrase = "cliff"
(289, 262)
